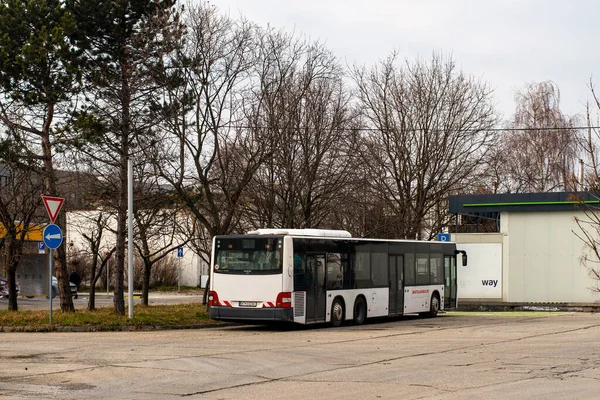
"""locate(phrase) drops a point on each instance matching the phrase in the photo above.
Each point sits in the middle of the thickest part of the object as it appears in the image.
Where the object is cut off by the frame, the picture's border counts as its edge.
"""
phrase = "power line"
(539, 129)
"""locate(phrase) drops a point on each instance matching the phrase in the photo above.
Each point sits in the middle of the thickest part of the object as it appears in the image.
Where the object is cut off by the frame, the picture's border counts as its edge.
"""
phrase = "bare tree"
(97, 246)
(157, 216)
(589, 226)
(302, 103)
(540, 152)
(20, 209)
(210, 154)
(427, 134)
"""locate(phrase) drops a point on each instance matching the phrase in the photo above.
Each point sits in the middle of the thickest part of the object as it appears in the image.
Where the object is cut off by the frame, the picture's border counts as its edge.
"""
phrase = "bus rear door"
(315, 288)
(396, 266)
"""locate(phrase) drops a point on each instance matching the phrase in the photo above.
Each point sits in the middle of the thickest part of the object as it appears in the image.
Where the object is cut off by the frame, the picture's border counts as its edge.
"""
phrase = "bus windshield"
(249, 256)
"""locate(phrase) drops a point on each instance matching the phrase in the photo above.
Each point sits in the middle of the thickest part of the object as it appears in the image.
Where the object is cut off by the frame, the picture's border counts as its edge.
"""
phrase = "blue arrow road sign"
(53, 236)
(443, 237)
(180, 252)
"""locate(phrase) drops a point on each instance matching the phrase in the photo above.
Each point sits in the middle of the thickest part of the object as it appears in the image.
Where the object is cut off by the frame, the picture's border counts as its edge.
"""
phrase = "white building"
(193, 271)
(534, 256)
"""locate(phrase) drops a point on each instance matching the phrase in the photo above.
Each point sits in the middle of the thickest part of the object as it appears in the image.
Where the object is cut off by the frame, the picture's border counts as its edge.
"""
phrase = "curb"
(567, 307)
(120, 328)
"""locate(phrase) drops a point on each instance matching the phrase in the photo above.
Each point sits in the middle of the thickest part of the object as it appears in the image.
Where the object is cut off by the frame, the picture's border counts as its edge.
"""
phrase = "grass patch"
(502, 313)
(172, 316)
(187, 289)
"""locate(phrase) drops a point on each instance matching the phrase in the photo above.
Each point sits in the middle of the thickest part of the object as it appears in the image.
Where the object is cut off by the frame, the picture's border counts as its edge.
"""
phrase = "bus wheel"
(360, 311)
(434, 306)
(337, 313)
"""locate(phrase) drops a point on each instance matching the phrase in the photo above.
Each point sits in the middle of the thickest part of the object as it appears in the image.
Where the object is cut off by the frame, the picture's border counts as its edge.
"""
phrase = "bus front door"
(315, 288)
(450, 282)
(396, 282)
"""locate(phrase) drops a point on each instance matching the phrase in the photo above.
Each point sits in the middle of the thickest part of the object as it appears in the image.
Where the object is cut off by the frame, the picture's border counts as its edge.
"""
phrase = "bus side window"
(362, 270)
(335, 277)
(437, 269)
(409, 269)
(347, 272)
(422, 269)
(299, 272)
(379, 269)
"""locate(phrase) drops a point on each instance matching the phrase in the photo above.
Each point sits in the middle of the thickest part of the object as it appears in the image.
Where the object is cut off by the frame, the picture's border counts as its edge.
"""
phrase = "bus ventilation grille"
(299, 304)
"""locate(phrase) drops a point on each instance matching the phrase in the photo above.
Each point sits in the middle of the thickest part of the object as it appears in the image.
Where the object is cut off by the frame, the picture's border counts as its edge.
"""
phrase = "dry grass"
(145, 317)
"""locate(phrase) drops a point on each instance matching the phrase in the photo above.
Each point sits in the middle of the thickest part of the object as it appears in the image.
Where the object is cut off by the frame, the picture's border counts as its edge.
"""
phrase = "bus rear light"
(213, 299)
(284, 300)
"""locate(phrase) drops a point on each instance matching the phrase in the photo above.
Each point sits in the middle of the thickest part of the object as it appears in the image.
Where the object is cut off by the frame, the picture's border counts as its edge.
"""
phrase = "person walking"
(75, 278)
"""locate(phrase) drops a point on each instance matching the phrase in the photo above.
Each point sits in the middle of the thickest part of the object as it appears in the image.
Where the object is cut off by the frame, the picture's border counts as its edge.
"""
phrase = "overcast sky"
(507, 43)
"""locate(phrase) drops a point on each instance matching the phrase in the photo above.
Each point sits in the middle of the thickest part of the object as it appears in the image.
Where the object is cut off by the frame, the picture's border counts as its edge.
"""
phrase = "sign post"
(52, 239)
(52, 236)
(180, 256)
(108, 256)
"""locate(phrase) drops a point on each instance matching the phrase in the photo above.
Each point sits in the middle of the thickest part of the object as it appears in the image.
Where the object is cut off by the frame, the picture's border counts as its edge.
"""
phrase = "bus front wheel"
(337, 313)
(434, 306)
(360, 311)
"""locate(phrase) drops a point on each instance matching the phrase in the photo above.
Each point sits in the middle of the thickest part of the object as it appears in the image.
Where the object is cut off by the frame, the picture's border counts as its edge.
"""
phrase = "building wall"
(541, 259)
(544, 258)
(190, 265)
(485, 262)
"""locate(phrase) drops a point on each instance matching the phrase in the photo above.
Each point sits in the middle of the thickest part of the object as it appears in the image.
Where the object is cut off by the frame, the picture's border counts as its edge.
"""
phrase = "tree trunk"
(92, 299)
(12, 287)
(146, 283)
(206, 290)
(62, 275)
(66, 302)
(119, 265)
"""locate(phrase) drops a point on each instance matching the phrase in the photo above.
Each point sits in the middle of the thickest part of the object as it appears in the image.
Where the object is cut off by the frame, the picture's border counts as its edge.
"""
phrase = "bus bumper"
(240, 314)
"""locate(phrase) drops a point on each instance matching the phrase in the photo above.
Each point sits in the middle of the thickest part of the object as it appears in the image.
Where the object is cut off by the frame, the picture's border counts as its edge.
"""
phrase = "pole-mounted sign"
(52, 236)
(53, 205)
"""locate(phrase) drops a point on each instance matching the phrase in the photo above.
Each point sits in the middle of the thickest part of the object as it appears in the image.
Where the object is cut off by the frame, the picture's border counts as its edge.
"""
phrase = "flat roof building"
(526, 248)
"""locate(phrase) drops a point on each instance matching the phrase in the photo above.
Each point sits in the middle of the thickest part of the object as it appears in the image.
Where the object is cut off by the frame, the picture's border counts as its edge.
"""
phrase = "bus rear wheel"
(337, 313)
(360, 311)
(434, 306)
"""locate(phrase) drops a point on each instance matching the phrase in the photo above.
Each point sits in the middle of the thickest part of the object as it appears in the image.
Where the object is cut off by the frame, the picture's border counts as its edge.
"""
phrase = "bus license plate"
(247, 303)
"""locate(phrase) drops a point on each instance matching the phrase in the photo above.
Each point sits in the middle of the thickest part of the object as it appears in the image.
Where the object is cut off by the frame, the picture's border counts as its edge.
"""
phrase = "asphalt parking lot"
(454, 356)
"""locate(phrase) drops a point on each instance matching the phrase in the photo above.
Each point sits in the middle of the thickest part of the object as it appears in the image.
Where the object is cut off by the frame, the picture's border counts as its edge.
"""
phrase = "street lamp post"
(130, 234)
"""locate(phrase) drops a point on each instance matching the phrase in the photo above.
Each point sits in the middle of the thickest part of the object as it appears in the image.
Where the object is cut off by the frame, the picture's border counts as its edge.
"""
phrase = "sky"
(505, 43)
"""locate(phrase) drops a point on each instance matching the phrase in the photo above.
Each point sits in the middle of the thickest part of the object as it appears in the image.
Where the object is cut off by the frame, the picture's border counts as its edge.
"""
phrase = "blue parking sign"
(443, 237)
(41, 247)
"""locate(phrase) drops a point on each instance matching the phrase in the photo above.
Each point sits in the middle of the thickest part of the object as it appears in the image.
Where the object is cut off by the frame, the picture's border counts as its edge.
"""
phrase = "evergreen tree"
(38, 76)
(122, 41)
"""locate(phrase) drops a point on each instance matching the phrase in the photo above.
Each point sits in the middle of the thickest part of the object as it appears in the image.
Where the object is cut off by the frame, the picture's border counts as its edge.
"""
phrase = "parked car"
(55, 288)
(4, 287)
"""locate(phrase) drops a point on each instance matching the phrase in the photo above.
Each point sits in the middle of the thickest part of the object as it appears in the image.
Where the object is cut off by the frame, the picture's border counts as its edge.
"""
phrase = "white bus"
(321, 276)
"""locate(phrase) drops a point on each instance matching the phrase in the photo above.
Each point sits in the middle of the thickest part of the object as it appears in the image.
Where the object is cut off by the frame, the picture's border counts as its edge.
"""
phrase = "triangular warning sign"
(53, 205)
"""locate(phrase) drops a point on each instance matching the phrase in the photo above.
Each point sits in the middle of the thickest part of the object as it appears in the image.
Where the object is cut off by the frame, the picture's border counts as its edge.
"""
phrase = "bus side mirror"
(464, 256)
